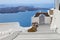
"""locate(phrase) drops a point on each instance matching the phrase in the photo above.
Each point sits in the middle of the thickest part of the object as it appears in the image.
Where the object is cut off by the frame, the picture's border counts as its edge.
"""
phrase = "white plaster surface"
(55, 25)
(43, 33)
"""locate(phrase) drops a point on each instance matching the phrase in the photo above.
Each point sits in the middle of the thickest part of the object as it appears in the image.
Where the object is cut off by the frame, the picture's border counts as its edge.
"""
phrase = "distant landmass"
(20, 9)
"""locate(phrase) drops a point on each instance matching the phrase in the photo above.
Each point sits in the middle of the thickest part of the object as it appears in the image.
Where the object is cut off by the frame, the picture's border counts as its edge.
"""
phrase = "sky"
(59, 1)
(26, 1)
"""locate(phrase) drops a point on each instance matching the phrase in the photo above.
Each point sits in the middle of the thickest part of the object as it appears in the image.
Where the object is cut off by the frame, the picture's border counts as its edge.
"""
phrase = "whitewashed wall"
(57, 4)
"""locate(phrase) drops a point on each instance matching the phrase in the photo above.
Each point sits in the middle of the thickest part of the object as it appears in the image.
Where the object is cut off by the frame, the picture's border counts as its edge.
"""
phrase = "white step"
(25, 36)
(43, 33)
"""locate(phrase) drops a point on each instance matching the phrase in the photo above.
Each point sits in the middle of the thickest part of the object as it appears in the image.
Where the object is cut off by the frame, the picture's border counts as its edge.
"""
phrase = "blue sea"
(24, 18)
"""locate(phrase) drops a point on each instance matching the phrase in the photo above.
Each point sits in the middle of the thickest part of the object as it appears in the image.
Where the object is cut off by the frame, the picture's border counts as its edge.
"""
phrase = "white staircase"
(37, 36)
(43, 33)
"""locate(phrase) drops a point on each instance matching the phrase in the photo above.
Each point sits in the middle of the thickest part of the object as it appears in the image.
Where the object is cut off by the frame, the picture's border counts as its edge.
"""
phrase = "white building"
(55, 25)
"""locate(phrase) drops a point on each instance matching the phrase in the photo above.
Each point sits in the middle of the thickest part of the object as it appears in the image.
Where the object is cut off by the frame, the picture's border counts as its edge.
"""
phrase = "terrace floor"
(44, 28)
(43, 33)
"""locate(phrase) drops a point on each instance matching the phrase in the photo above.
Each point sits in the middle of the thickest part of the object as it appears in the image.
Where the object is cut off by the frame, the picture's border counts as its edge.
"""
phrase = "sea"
(24, 18)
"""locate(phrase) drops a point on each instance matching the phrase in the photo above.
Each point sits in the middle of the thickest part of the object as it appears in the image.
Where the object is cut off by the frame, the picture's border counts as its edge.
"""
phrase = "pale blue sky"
(26, 1)
(59, 1)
